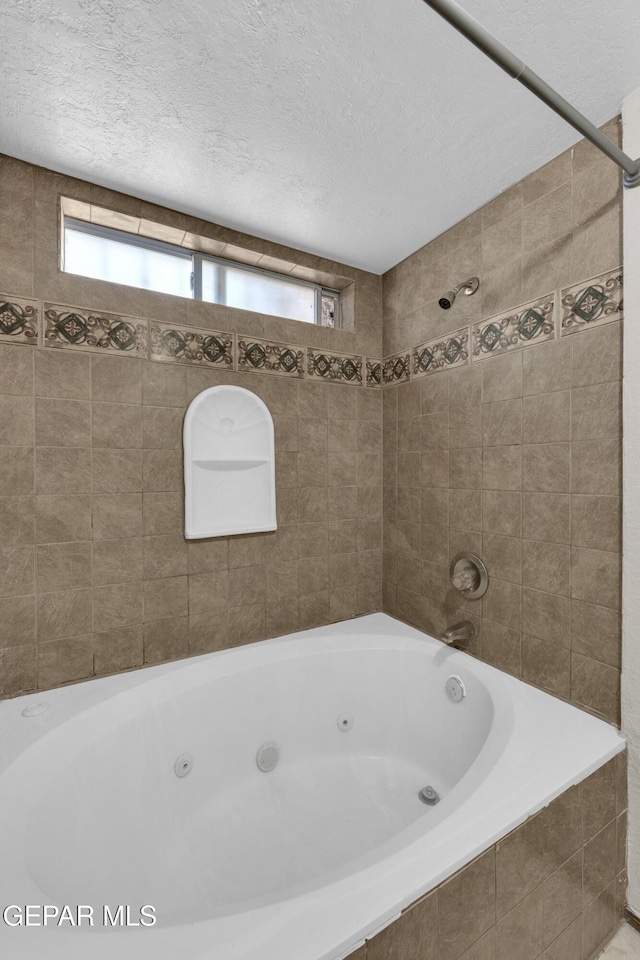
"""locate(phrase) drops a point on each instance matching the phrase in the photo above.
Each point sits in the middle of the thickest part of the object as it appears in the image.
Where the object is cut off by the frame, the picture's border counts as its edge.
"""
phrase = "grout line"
(571, 506)
(33, 227)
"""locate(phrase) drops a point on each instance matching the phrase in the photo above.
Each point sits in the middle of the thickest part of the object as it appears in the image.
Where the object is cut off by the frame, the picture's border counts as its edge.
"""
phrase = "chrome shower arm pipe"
(496, 51)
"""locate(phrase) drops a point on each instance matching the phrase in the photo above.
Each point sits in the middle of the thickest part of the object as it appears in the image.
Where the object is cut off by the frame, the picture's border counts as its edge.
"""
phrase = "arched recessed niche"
(229, 464)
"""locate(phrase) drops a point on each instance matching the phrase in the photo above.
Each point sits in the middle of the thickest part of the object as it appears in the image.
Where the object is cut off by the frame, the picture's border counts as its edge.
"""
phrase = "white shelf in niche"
(229, 464)
(221, 464)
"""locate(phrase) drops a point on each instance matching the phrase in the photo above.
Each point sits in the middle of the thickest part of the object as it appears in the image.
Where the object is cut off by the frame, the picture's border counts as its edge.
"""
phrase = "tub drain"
(267, 756)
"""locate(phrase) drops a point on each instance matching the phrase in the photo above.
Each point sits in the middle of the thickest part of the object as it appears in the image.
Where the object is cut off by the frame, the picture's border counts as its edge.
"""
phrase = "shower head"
(469, 287)
(447, 301)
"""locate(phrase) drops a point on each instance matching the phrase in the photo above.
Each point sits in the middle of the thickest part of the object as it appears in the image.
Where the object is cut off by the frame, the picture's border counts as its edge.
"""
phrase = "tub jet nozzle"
(429, 796)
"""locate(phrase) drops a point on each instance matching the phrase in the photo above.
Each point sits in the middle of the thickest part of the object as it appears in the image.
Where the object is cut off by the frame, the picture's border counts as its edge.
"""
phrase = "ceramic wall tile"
(173, 343)
(81, 329)
(442, 354)
(530, 323)
(396, 369)
(337, 368)
(18, 320)
(265, 356)
(373, 374)
(592, 302)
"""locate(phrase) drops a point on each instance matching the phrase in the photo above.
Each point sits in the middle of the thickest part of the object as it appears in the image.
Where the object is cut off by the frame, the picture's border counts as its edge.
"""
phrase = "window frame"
(197, 259)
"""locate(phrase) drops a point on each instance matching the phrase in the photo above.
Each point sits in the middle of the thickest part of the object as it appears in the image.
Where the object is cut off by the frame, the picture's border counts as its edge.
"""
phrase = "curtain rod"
(518, 70)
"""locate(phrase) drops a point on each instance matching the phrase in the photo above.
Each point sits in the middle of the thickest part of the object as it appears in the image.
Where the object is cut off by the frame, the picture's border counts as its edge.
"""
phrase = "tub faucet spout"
(460, 635)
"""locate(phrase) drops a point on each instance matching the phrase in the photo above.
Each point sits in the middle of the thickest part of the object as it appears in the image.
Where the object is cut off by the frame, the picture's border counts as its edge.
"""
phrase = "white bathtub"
(300, 863)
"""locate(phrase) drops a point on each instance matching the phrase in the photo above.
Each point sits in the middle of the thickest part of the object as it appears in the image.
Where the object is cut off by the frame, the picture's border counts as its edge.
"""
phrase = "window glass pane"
(329, 310)
(254, 291)
(136, 266)
(211, 282)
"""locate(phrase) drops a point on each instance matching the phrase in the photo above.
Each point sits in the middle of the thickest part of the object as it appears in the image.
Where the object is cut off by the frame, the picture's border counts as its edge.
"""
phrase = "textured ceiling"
(355, 129)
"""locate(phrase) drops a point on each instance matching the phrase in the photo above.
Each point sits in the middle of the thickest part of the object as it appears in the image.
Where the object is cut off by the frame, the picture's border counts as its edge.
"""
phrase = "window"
(104, 253)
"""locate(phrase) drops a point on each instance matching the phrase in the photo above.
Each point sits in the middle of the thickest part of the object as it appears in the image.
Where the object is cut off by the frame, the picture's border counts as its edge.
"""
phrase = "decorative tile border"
(396, 369)
(436, 355)
(18, 320)
(373, 373)
(84, 330)
(81, 329)
(592, 302)
(511, 330)
(336, 367)
(281, 359)
(180, 344)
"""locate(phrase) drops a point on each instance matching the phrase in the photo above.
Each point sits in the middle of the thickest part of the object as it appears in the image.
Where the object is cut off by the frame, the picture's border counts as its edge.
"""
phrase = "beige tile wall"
(553, 889)
(517, 456)
(95, 574)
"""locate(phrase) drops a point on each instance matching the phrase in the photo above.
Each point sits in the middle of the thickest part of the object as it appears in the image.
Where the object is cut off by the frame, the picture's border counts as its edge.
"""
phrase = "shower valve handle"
(465, 580)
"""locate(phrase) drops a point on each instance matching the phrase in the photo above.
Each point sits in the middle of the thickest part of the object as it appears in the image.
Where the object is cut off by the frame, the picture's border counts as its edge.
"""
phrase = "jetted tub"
(301, 862)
